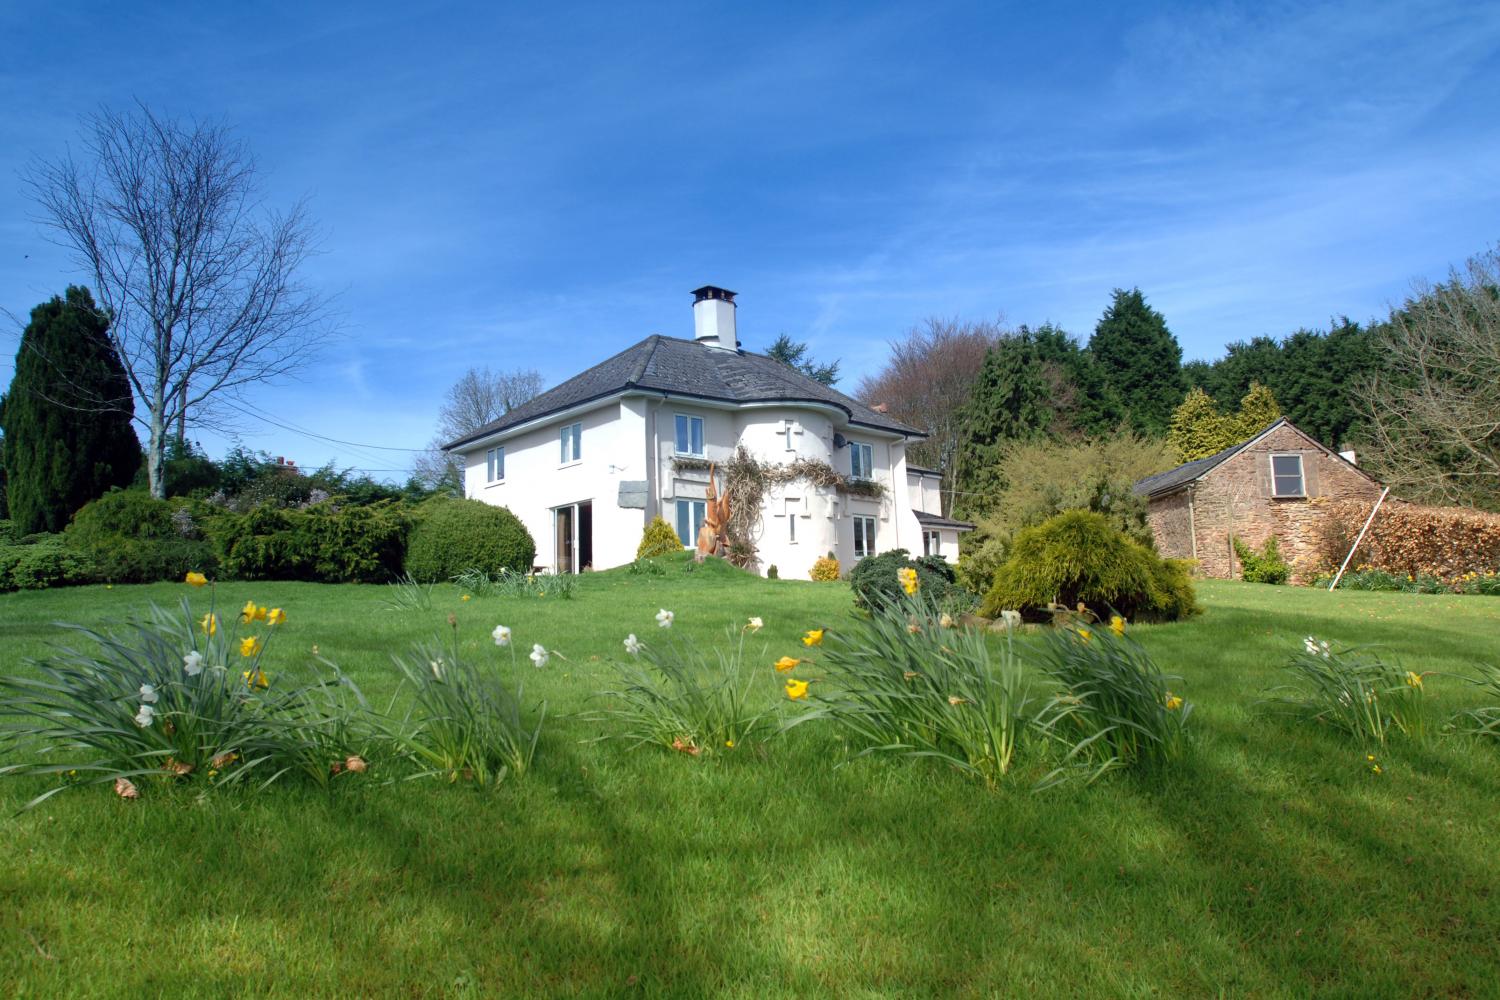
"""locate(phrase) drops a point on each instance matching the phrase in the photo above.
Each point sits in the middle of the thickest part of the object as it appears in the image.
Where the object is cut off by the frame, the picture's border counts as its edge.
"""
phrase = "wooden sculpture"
(713, 538)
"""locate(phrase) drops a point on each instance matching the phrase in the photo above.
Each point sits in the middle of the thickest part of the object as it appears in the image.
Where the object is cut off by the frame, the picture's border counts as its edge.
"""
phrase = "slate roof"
(1165, 482)
(921, 471)
(686, 368)
(927, 520)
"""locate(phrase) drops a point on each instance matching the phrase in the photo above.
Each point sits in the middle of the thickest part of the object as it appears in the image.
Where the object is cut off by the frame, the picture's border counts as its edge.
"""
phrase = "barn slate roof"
(686, 368)
(1173, 479)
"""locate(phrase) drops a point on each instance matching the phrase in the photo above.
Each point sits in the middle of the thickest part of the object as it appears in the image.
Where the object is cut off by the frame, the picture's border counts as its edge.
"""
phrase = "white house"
(587, 464)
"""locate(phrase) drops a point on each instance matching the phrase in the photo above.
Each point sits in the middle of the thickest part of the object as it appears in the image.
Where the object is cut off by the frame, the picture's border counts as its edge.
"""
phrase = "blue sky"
(542, 187)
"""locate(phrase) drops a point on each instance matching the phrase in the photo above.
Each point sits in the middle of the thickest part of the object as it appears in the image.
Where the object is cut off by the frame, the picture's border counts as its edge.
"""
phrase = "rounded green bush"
(456, 535)
(1078, 557)
(659, 539)
(129, 536)
(875, 582)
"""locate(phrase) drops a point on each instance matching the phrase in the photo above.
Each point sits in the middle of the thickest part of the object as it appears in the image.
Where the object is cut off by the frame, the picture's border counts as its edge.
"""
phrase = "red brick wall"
(1235, 499)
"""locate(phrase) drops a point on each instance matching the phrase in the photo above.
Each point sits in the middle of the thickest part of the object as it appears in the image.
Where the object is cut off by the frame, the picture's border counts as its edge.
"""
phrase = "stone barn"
(1276, 483)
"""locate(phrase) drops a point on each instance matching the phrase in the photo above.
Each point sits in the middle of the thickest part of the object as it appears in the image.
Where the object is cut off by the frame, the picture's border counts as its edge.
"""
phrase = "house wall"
(1172, 524)
(925, 492)
(634, 439)
(1235, 499)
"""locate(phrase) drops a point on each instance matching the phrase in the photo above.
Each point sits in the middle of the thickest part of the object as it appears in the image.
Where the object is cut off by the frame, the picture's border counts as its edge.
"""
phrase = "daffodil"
(144, 717)
(632, 645)
(1117, 625)
(664, 618)
(209, 624)
(195, 580)
(1173, 702)
(192, 663)
(908, 578)
(539, 655)
(251, 613)
(256, 679)
(956, 701)
(1084, 635)
(796, 689)
(501, 635)
(276, 617)
(946, 621)
(464, 598)
(729, 744)
(754, 625)
(148, 694)
(1413, 680)
(814, 637)
(785, 663)
(250, 645)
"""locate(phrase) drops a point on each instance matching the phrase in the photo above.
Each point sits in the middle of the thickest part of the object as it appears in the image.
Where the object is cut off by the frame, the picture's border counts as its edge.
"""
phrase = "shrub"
(659, 539)
(825, 570)
(900, 682)
(326, 542)
(8, 533)
(1354, 691)
(1115, 707)
(44, 561)
(875, 582)
(1410, 540)
(1265, 566)
(772, 573)
(1079, 558)
(129, 536)
(679, 700)
(456, 535)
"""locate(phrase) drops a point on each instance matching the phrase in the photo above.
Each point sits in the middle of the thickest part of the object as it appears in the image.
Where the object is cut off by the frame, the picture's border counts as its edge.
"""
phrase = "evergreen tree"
(794, 355)
(1011, 401)
(1199, 429)
(1141, 361)
(1258, 410)
(67, 416)
(1083, 402)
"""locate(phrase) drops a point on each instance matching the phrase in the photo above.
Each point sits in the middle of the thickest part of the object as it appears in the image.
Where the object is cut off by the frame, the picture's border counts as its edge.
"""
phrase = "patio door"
(573, 537)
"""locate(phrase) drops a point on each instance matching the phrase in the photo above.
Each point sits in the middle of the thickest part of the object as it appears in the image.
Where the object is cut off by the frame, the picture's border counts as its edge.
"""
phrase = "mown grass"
(1270, 862)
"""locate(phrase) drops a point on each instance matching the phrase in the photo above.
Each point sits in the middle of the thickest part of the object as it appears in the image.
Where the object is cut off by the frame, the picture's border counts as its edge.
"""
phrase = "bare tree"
(927, 381)
(199, 283)
(474, 400)
(1434, 412)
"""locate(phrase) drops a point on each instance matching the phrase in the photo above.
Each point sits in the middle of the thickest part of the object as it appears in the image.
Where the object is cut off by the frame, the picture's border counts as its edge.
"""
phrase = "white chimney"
(713, 318)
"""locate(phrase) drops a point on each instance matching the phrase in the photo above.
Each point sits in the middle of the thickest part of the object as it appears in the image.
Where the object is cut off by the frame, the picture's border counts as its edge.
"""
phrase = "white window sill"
(569, 465)
(497, 482)
(689, 454)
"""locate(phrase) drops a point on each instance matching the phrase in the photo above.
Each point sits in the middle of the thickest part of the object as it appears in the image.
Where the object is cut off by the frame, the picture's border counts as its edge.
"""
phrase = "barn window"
(1286, 476)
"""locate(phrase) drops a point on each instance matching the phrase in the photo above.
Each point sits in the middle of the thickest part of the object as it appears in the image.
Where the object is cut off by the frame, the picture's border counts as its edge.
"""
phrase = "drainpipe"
(1192, 520)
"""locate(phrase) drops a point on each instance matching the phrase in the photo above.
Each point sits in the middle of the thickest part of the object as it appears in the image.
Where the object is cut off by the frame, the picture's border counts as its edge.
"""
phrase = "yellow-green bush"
(826, 569)
(1078, 557)
(659, 539)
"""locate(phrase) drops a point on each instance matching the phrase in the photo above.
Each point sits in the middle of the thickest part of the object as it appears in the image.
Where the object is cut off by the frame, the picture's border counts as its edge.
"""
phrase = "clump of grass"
(465, 723)
(406, 594)
(508, 583)
(906, 681)
(181, 698)
(1114, 708)
(1484, 721)
(671, 695)
(1355, 691)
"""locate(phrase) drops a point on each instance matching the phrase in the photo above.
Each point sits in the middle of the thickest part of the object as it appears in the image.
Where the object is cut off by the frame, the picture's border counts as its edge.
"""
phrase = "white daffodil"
(1311, 645)
(755, 625)
(501, 635)
(539, 655)
(1323, 648)
(1012, 619)
(664, 618)
(437, 669)
(148, 694)
(144, 716)
(192, 664)
(632, 645)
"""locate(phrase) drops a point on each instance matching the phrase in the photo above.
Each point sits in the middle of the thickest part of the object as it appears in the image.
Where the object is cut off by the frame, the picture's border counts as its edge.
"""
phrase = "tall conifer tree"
(1142, 361)
(67, 415)
(1011, 400)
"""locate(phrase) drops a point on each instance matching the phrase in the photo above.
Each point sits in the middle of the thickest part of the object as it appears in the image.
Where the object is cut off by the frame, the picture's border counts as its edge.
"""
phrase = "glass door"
(564, 535)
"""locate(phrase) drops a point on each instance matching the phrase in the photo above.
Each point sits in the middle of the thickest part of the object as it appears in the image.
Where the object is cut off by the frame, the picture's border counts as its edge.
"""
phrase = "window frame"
(691, 422)
(570, 434)
(856, 449)
(864, 535)
(932, 542)
(697, 511)
(493, 458)
(1276, 493)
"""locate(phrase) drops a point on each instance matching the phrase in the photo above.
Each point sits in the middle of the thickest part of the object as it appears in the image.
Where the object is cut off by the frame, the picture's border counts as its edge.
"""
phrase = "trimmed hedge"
(875, 583)
(129, 536)
(45, 561)
(1078, 557)
(452, 536)
(326, 543)
(1407, 539)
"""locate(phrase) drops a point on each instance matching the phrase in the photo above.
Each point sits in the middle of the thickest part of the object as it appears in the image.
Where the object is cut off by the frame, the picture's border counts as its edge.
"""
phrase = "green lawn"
(1272, 863)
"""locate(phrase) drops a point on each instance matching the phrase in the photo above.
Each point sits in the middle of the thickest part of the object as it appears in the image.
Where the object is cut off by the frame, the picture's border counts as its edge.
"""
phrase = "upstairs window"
(689, 435)
(861, 461)
(1286, 476)
(494, 461)
(571, 439)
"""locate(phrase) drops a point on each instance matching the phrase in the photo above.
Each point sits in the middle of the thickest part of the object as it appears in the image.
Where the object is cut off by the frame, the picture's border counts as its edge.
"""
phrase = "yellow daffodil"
(908, 578)
(249, 646)
(814, 637)
(1413, 680)
(785, 663)
(256, 679)
(276, 617)
(1173, 702)
(946, 621)
(195, 580)
(1370, 757)
(1375, 769)
(729, 744)
(956, 701)
(796, 689)
(250, 613)
(1084, 634)
(1117, 625)
(464, 598)
(209, 624)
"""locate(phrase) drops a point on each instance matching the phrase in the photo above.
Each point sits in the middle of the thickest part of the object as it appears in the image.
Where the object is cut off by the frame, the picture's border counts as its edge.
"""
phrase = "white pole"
(1368, 521)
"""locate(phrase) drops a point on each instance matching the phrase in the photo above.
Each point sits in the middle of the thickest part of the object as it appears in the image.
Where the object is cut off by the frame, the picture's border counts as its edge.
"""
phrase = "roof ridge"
(640, 370)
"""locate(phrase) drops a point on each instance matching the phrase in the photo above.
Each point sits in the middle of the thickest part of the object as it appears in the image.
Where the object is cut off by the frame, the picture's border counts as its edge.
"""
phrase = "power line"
(253, 411)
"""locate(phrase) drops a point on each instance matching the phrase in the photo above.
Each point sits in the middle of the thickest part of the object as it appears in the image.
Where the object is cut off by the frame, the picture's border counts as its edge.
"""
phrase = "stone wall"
(1171, 524)
(1234, 500)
